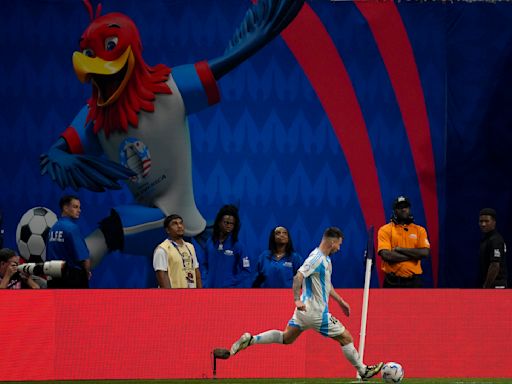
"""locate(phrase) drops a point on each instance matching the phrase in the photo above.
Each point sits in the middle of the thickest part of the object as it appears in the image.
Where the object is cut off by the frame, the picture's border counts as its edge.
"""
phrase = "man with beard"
(402, 245)
(312, 307)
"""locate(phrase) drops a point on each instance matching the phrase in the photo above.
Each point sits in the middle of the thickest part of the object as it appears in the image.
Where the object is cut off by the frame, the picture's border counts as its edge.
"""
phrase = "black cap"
(488, 212)
(401, 202)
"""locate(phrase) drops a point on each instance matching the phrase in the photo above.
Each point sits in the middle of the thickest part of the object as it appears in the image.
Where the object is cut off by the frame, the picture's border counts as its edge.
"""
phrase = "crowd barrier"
(156, 334)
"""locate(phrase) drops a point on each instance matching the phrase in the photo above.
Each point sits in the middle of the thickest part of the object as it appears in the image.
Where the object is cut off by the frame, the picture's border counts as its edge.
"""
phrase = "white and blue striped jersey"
(316, 287)
(316, 269)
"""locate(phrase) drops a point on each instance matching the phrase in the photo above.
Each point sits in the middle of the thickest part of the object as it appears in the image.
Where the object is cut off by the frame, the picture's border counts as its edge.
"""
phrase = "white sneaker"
(243, 342)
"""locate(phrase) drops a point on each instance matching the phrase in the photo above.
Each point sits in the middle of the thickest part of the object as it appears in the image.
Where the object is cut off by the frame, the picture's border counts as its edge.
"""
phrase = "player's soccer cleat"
(371, 370)
(243, 342)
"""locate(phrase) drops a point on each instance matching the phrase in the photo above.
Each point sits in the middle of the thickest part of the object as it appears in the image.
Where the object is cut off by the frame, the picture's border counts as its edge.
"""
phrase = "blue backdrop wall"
(324, 126)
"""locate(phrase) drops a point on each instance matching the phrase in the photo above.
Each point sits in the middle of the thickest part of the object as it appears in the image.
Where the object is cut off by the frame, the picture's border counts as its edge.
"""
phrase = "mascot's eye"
(111, 43)
(88, 52)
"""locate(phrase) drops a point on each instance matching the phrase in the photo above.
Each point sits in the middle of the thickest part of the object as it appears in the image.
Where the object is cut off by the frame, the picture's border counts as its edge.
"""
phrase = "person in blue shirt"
(279, 263)
(65, 242)
(225, 263)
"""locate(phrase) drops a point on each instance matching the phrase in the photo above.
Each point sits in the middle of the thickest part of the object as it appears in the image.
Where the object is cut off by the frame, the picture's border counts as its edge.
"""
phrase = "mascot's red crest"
(110, 58)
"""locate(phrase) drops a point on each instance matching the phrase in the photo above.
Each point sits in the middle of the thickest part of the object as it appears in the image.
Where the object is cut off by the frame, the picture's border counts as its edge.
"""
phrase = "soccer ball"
(392, 372)
(32, 233)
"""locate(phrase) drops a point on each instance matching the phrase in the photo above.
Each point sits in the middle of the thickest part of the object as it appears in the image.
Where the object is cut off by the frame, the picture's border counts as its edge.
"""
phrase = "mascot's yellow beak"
(110, 77)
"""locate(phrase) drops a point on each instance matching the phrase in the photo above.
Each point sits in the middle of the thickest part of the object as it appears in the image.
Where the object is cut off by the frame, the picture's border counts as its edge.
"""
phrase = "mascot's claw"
(82, 171)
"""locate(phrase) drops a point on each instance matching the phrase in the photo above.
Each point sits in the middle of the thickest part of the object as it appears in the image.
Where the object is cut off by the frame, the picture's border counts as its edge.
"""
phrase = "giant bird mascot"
(134, 127)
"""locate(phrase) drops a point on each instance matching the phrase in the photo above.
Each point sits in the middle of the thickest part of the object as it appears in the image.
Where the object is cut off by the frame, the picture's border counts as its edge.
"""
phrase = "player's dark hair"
(170, 218)
(334, 232)
(488, 212)
(65, 200)
(6, 254)
(226, 210)
(272, 246)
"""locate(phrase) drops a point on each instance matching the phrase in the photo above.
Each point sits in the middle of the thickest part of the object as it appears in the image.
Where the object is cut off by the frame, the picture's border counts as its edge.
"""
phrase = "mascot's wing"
(82, 171)
(262, 22)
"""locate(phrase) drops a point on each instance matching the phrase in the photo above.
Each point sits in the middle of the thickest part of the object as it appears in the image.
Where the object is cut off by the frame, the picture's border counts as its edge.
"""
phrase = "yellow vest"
(180, 264)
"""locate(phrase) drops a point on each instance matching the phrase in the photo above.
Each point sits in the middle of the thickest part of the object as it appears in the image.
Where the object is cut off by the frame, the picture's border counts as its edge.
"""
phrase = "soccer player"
(311, 308)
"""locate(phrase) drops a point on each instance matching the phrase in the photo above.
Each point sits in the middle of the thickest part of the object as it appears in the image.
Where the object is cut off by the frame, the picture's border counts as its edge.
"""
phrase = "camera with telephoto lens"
(52, 268)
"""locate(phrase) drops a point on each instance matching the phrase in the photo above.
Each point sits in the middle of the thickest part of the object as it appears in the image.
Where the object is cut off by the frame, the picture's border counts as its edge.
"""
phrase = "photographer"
(9, 275)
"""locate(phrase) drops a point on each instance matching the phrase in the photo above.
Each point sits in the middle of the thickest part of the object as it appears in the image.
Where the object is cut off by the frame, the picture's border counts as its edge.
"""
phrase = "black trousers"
(72, 278)
(393, 281)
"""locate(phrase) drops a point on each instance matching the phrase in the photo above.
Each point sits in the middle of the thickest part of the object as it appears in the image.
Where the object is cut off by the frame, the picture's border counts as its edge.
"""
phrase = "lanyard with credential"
(181, 254)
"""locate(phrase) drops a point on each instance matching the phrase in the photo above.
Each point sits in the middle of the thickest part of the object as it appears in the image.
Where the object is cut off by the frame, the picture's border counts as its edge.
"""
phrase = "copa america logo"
(134, 155)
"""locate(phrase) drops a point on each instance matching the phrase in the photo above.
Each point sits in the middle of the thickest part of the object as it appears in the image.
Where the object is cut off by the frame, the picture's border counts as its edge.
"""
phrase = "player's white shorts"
(324, 323)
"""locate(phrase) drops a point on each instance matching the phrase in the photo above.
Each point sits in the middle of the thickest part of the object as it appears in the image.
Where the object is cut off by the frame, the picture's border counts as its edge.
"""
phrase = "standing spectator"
(493, 252)
(279, 263)
(174, 260)
(402, 245)
(225, 263)
(312, 307)
(65, 242)
(10, 278)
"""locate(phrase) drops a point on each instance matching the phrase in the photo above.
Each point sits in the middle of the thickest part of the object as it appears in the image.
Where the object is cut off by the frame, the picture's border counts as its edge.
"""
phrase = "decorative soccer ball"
(392, 372)
(32, 233)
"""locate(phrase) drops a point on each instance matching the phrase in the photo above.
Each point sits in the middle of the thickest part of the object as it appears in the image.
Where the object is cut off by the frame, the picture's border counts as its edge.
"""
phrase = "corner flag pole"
(369, 255)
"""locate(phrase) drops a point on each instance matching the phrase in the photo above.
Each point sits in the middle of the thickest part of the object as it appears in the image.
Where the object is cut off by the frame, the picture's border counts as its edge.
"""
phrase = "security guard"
(493, 252)
(402, 245)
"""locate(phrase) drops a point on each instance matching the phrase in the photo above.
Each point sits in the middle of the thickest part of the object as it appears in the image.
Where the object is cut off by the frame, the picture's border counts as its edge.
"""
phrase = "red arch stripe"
(314, 50)
(391, 37)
